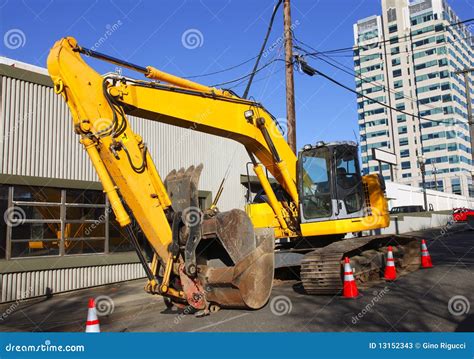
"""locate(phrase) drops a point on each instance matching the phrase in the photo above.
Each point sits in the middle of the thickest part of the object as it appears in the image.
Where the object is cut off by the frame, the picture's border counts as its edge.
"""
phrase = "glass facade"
(46, 221)
(416, 66)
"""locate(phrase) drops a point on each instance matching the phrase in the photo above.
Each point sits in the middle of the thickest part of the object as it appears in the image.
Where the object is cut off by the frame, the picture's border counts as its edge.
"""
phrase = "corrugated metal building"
(63, 238)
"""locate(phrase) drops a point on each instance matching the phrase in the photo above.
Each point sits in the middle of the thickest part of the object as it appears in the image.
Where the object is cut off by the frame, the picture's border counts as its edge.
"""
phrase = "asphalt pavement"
(436, 299)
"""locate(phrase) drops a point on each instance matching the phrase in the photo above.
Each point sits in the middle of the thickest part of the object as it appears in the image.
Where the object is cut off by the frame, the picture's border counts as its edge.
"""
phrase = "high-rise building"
(407, 58)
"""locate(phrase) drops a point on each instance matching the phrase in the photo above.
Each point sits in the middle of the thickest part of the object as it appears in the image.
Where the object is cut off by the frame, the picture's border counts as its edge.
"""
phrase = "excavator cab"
(332, 191)
(330, 183)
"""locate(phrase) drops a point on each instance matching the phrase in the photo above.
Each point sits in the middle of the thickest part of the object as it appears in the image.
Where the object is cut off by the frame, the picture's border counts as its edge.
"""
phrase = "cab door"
(316, 185)
(348, 188)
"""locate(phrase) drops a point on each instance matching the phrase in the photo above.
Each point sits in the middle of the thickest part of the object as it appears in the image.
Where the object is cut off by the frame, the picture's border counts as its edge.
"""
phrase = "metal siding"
(3, 101)
(38, 136)
(16, 286)
(173, 147)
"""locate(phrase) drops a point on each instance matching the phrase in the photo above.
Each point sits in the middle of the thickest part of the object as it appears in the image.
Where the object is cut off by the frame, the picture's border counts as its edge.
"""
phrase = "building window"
(392, 29)
(34, 226)
(402, 130)
(401, 118)
(421, 18)
(3, 225)
(403, 141)
(406, 165)
(397, 84)
(444, 74)
(397, 73)
(368, 35)
(45, 221)
(437, 186)
(399, 95)
(456, 185)
(447, 98)
(391, 14)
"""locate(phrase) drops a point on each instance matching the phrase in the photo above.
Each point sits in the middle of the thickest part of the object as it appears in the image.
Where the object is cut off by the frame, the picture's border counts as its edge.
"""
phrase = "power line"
(405, 39)
(366, 80)
(272, 70)
(248, 75)
(276, 55)
(421, 48)
(269, 30)
(257, 80)
(223, 70)
(374, 100)
(317, 55)
(258, 56)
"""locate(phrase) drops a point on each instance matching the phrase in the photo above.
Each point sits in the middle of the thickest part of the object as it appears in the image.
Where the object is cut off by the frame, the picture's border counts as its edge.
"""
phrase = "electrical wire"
(258, 56)
(269, 30)
(249, 74)
(406, 38)
(367, 81)
(317, 55)
(376, 101)
(421, 48)
(258, 80)
(276, 55)
(221, 71)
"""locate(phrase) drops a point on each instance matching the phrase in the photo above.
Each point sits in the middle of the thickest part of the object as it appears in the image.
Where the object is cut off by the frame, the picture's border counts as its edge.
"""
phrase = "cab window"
(316, 185)
(348, 179)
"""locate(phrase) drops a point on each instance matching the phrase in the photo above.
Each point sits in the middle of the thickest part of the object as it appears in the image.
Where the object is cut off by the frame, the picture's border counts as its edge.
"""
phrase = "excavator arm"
(130, 180)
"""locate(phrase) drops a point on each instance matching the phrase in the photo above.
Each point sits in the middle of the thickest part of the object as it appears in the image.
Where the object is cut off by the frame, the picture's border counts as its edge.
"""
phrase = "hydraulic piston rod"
(149, 71)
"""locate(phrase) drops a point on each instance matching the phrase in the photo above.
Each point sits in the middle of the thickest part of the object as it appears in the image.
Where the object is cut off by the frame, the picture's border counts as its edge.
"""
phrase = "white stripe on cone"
(390, 261)
(348, 269)
(424, 249)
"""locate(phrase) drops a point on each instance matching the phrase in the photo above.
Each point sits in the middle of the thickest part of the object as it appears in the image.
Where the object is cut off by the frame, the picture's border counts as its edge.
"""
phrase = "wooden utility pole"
(470, 119)
(290, 85)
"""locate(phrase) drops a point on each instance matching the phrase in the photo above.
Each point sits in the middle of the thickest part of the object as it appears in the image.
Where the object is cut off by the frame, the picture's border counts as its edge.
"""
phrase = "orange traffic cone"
(425, 256)
(92, 324)
(390, 271)
(350, 286)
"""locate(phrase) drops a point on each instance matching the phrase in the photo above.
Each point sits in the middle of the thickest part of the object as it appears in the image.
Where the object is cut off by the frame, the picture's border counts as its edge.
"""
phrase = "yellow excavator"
(214, 259)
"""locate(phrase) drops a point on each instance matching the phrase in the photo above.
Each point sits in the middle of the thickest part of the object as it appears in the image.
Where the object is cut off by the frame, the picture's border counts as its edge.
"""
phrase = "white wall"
(406, 223)
(404, 195)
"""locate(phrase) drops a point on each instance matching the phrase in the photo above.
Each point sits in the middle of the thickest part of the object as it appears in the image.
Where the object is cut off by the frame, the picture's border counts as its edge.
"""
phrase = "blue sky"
(228, 33)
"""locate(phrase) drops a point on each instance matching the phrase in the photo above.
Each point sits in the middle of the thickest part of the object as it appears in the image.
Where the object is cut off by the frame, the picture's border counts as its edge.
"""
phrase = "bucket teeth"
(182, 187)
(196, 174)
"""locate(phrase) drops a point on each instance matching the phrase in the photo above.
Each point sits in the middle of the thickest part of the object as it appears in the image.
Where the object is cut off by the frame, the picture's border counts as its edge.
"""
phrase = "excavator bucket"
(231, 260)
(238, 263)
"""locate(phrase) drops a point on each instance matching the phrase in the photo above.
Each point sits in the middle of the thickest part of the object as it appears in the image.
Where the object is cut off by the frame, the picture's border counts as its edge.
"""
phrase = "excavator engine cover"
(236, 261)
